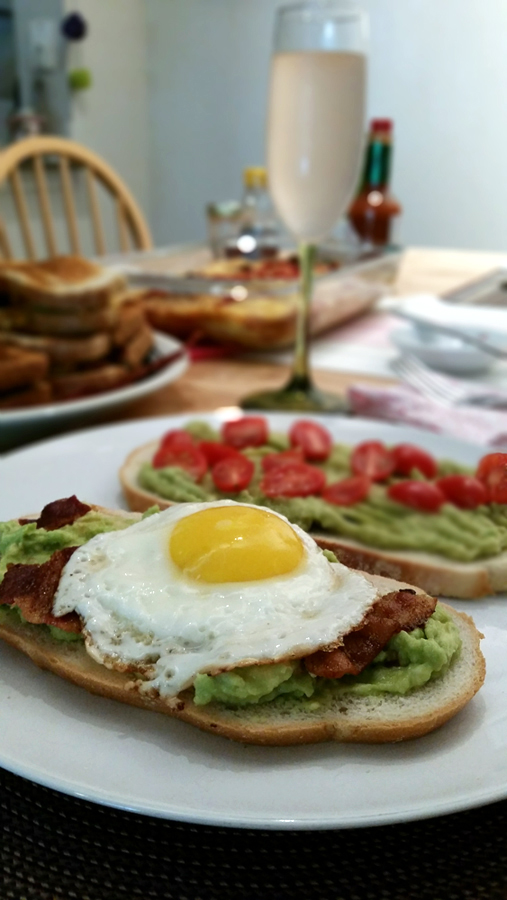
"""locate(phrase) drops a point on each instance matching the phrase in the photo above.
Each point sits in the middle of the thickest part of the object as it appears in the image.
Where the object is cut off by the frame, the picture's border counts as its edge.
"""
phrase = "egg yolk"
(236, 543)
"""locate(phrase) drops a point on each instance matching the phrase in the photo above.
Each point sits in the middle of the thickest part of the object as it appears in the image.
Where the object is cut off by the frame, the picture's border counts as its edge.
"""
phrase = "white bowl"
(440, 351)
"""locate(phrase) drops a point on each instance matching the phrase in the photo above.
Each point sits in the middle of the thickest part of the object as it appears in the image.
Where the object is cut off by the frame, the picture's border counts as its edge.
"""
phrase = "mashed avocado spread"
(458, 534)
(408, 661)
(29, 545)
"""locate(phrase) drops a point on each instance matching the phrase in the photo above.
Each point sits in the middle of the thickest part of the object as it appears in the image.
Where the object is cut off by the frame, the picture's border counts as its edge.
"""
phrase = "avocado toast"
(133, 609)
(456, 549)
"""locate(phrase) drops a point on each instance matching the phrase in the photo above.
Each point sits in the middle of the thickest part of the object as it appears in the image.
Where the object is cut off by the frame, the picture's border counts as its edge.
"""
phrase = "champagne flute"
(314, 141)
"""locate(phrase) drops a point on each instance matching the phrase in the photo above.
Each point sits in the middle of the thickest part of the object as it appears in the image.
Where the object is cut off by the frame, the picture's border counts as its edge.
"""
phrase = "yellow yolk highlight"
(224, 544)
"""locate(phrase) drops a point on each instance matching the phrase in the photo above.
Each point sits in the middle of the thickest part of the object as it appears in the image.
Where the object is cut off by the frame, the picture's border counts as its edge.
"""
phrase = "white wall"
(207, 69)
(438, 67)
(111, 118)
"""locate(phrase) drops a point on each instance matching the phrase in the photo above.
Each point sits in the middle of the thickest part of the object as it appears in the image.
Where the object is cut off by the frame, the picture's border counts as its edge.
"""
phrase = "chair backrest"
(39, 170)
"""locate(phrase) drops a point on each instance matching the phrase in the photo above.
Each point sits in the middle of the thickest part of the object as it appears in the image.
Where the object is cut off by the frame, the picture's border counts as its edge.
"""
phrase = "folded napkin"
(403, 404)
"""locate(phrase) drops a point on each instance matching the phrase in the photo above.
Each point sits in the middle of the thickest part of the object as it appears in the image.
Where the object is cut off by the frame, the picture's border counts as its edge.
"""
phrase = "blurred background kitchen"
(173, 94)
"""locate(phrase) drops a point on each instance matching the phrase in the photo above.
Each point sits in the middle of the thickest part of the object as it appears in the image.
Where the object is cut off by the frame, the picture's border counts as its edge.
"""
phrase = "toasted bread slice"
(347, 719)
(90, 381)
(31, 395)
(137, 348)
(63, 351)
(64, 283)
(434, 574)
(131, 319)
(20, 367)
(38, 320)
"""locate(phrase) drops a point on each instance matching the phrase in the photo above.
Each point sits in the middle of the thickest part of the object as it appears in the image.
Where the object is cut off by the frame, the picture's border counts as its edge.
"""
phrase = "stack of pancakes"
(68, 328)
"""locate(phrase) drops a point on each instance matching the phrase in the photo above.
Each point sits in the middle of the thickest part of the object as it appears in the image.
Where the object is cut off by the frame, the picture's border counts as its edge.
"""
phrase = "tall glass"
(314, 142)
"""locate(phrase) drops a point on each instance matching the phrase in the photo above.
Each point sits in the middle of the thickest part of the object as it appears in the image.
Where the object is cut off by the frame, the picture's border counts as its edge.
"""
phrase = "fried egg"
(206, 587)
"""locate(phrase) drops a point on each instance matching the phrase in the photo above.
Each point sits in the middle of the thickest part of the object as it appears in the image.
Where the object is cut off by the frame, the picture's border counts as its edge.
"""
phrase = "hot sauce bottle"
(372, 211)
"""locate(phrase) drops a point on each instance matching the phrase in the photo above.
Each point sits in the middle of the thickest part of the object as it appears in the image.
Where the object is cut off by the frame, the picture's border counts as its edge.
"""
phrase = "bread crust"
(434, 574)
(361, 720)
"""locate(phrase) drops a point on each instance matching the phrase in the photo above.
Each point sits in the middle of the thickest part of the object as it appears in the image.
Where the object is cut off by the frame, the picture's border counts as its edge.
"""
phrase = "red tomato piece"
(295, 480)
(347, 491)
(188, 458)
(464, 491)
(492, 471)
(315, 441)
(176, 439)
(250, 431)
(373, 459)
(233, 473)
(214, 451)
(425, 496)
(408, 457)
(284, 458)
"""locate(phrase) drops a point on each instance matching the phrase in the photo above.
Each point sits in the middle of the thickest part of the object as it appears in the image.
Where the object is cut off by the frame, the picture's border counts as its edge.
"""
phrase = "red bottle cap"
(383, 125)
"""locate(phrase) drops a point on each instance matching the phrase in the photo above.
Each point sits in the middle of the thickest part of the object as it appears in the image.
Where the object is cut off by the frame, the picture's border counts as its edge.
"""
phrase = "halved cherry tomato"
(189, 458)
(424, 496)
(408, 457)
(464, 491)
(295, 480)
(347, 491)
(314, 440)
(250, 431)
(233, 473)
(373, 459)
(492, 471)
(176, 439)
(284, 458)
(214, 451)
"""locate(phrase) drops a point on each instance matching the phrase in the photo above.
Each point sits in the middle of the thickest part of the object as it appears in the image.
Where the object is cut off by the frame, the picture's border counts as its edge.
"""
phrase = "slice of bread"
(90, 381)
(346, 718)
(63, 283)
(64, 351)
(39, 320)
(31, 395)
(136, 349)
(20, 367)
(434, 574)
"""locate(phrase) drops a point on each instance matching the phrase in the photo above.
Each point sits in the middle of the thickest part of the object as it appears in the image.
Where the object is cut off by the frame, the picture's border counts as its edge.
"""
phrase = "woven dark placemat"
(54, 846)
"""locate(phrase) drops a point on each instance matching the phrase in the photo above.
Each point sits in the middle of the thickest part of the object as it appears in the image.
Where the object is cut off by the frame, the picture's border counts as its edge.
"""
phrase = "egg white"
(141, 613)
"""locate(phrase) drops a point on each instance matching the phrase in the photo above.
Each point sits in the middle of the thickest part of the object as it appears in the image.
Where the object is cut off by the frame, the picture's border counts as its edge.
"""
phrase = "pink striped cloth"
(402, 404)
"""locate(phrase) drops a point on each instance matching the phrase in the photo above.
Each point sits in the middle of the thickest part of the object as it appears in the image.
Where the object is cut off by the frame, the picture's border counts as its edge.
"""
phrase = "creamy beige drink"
(315, 136)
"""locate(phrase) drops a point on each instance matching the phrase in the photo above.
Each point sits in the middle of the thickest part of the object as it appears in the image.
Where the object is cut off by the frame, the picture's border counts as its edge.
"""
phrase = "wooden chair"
(36, 170)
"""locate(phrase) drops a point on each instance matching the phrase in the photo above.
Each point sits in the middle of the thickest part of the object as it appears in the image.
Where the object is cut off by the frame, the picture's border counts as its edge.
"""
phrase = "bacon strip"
(32, 589)
(62, 512)
(398, 611)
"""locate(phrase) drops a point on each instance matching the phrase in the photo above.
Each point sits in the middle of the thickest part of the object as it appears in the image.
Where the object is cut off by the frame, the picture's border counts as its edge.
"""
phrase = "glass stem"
(300, 377)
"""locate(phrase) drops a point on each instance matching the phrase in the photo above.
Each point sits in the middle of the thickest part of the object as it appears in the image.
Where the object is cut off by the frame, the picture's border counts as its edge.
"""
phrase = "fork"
(445, 390)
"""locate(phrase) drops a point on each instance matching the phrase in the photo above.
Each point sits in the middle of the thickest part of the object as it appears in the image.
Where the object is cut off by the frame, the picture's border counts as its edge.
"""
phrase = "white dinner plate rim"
(93, 791)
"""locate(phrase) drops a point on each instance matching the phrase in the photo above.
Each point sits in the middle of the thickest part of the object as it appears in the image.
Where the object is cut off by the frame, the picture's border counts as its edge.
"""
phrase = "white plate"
(18, 425)
(60, 736)
(440, 351)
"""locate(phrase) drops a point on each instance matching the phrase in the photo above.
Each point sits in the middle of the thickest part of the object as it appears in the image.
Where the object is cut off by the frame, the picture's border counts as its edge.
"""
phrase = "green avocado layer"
(458, 534)
(410, 660)
(29, 544)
